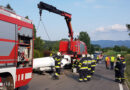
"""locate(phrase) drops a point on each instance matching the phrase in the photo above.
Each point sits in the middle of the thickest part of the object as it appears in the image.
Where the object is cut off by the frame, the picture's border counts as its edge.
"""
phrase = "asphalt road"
(102, 80)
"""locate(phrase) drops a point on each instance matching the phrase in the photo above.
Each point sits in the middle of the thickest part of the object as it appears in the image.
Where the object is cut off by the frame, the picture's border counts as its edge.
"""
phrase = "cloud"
(115, 27)
(100, 29)
(118, 27)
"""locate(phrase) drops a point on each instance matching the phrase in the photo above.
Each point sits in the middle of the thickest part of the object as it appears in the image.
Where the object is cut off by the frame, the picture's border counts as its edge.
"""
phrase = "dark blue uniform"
(83, 69)
(57, 66)
(119, 70)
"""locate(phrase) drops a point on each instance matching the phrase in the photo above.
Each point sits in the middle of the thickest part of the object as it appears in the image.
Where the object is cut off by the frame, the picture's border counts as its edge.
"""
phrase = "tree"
(38, 44)
(9, 7)
(27, 17)
(123, 48)
(117, 48)
(92, 50)
(34, 28)
(83, 36)
(97, 47)
(128, 26)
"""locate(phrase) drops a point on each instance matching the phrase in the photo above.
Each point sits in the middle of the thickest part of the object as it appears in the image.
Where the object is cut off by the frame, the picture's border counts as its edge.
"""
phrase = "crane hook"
(40, 12)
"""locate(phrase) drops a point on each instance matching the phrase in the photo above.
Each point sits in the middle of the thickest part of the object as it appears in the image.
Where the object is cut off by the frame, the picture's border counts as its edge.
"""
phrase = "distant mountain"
(110, 43)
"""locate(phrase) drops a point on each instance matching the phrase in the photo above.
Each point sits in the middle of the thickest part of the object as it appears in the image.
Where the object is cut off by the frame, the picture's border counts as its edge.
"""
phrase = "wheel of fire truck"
(7, 81)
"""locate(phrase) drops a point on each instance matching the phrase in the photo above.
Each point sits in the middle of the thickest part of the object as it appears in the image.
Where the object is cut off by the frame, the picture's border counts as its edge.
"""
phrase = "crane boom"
(50, 8)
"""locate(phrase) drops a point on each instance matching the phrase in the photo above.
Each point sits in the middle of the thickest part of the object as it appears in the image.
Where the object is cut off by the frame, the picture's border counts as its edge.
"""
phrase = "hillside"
(110, 43)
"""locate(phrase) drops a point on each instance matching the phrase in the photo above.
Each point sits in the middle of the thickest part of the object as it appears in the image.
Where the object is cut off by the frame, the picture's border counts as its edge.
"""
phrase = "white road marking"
(120, 86)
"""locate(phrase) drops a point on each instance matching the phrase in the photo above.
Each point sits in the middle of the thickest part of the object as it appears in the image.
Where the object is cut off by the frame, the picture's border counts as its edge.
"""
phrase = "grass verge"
(127, 71)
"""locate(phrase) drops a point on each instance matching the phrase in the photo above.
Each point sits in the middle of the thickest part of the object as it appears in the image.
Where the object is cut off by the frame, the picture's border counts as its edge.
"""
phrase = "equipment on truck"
(16, 46)
(72, 47)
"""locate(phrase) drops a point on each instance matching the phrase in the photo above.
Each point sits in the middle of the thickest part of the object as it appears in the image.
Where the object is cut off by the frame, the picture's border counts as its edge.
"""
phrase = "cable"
(40, 21)
(38, 25)
(46, 30)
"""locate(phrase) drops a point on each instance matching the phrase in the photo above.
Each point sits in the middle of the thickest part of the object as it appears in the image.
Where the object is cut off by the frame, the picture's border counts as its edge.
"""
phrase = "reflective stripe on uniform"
(84, 61)
(116, 69)
(89, 68)
(88, 76)
(56, 74)
(57, 66)
(93, 65)
(84, 68)
(80, 79)
(85, 78)
(93, 71)
(124, 62)
(59, 62)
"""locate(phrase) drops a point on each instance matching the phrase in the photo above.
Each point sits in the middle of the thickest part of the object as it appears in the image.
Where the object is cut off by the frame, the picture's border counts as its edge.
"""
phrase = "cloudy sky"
(102, 19)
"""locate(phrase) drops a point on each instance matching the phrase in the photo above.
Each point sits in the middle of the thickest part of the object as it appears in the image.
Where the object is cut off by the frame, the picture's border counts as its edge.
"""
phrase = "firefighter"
(119, 69)
(97, 58)
(89, 60)
(112, 62)
(107, 62)
(93, 65)
(57, 65)
(74, 64)
(83, 68)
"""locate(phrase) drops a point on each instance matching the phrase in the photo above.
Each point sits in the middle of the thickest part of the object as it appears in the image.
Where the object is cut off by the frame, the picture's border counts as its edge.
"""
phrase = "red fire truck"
(72, 47)
(16, 49)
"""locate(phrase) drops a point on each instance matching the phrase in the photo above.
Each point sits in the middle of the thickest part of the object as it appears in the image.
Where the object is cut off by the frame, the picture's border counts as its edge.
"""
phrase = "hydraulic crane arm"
(50, 8)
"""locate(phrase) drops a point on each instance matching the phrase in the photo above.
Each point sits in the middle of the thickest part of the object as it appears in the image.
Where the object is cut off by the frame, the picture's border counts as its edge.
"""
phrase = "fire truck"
(16, 49)
(73, 47)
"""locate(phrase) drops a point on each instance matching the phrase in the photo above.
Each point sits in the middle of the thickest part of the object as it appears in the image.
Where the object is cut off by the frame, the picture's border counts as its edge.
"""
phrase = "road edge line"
(120, 86)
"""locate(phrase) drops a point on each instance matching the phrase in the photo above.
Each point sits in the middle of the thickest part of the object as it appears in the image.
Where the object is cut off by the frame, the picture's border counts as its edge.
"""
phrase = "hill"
(110, 43)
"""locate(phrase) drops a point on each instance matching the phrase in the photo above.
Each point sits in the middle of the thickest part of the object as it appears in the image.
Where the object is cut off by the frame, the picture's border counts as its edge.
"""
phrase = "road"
(102, 80)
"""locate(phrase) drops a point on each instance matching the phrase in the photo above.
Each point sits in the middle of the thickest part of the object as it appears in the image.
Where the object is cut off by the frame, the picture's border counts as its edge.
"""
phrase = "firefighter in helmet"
(93, 64)
(119, 69)
(57, 59)
(89, 67)
(83, 68)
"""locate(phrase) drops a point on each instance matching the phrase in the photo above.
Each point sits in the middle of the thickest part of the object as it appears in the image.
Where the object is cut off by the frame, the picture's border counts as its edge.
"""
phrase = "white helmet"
(83, 55)
(118, 55)
(88, 55)
(58, 53)
(92, 56)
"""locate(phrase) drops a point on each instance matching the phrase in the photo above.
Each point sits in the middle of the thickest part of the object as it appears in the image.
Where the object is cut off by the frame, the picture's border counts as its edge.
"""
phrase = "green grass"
(113, 53)
(127, 71)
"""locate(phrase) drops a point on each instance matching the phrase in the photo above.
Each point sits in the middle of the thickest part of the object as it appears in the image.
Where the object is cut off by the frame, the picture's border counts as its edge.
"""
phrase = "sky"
(101, 19)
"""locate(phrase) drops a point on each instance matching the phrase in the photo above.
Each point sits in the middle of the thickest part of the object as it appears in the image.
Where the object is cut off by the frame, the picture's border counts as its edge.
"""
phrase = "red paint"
(14, 52)
(64, 47)
(24, 81)
(19, 28)
(15, 21)
(66, 14)
(0, 80)
(7, 40)
(3, 62)
(13, 13)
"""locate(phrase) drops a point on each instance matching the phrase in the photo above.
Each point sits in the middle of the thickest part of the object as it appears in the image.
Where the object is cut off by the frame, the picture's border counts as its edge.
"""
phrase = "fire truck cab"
(16, 49)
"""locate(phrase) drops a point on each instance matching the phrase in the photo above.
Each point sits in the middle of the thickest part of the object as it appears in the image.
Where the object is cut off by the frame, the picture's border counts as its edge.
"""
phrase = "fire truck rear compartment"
(24, 51)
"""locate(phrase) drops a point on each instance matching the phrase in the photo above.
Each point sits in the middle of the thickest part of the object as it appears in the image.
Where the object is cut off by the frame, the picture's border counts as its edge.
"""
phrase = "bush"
(36, 53)
(127, 71)
(128, 51)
